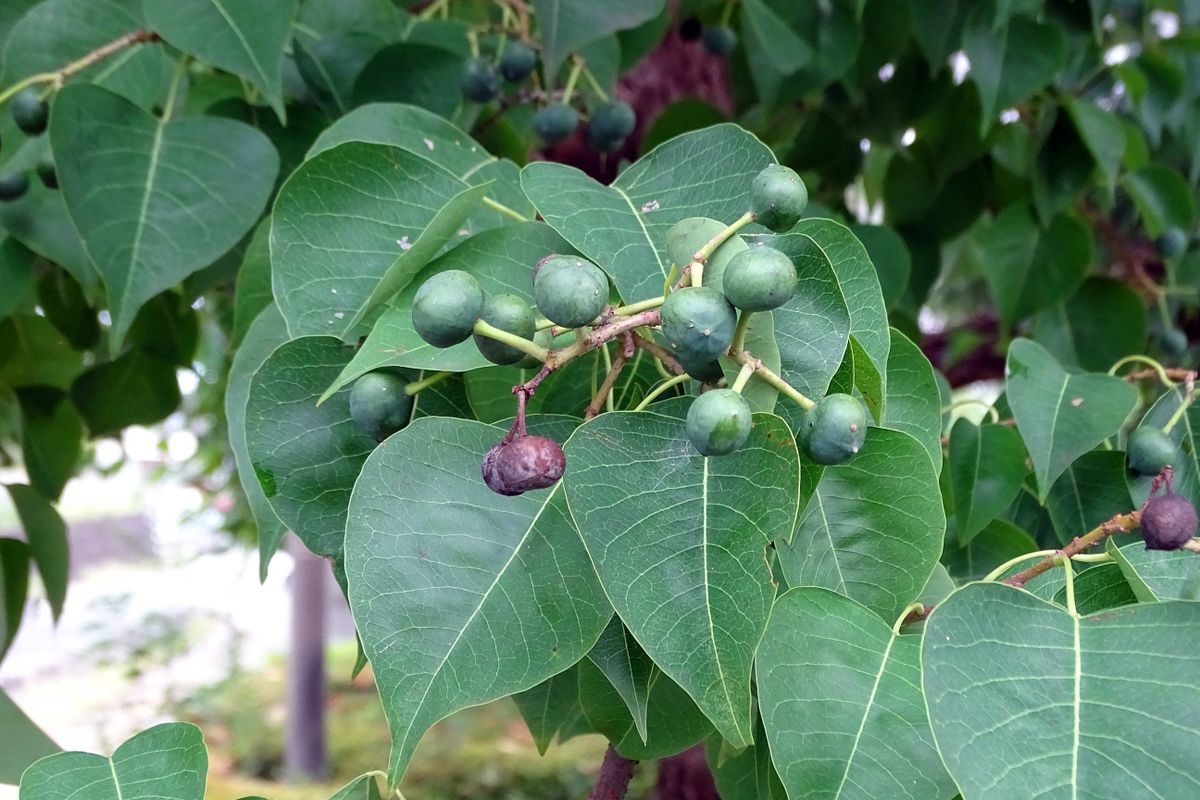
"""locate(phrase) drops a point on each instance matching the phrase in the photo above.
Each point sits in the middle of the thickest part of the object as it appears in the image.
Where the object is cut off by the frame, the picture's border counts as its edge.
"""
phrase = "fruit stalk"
(605, 390)
(425, 382)
(695, 270)
(739, 333)
(484, 328)
(743, 357)
(661, 353)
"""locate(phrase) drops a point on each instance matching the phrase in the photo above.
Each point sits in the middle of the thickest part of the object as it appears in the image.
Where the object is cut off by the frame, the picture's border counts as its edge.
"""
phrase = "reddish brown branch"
(661, 353)
(615, 774)
(610, 380)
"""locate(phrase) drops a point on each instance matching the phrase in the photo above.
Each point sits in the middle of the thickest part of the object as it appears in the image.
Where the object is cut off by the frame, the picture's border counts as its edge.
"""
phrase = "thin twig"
(661, 353)
(58, 76)
(597, 404)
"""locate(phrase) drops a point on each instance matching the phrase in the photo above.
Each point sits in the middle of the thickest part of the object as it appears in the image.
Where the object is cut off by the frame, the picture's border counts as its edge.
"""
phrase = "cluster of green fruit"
(1172, 244)
(610, 121)
(31, 113)
(699, 324)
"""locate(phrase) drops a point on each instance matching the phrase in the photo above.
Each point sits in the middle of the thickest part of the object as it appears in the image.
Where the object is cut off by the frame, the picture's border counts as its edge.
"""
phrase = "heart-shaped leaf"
(348, 218)
(623, 227)
(1097, 706)
(872, 529)
(461, 595)
(987, 468)
(24, 742)
(167, 762)
(266, 333)
(1103, 321)
(245, 37)
(1156, 575)
(836, 685)
(565, 26)
(682, 559)
(1088, 492)
(306, 457)
(154, 200)
(1061, 416)
(912, 402)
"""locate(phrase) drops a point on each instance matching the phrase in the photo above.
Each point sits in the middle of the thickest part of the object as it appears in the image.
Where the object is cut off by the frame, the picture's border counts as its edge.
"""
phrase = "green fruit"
(543, 338)
(610, 126)
(834, 429)
(517, 61)
(703, 371)
(698, 323)
(1174, 341)
(379, 405)
(759, 279)
(778, 197)
(1149, 450)
(570, 291)
(689, 235)
(718, 422)
(445, 308)
(555, 122)
(511, 314)
(479, 81)
(13, 186)
(719, 39)
(30, 112)
(1172, 242)
(47, 173)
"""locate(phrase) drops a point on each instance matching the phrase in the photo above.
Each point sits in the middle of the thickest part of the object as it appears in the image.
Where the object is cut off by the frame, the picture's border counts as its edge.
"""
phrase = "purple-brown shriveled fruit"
(523, 463)
(1168, 522)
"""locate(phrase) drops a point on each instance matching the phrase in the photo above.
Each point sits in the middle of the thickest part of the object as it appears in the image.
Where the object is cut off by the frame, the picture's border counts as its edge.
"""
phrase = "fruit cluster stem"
(661, 353)
(763, 371)
(425, 382)
(602, 394)
(58, 76)
(739, 333)
(1120, 523)
(484, 328)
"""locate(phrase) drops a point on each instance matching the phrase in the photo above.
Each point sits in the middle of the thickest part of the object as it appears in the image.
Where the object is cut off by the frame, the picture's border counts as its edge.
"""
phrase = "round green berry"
(719, 40)
(13, 186)
(718, 422)
(47, 174)
(570, 291)
(698, 323)
(778, 197)
(517, 61)
(610, 126)
(759, 279)
(445, 308)
(511, 314)
(555, 122)
(30, 112)
(834, 429)
(379, 405)
(1172, 242)
(1174, 342)
(479, 81)
(704, 371)
(1149, 450)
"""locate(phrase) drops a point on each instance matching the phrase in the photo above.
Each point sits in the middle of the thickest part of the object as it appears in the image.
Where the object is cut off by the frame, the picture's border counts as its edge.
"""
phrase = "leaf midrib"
(151, 171)
(862, 724)
(241, 38)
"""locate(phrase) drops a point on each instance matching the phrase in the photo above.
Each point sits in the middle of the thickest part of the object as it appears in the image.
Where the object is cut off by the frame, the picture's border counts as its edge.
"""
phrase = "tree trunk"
(305, 756)
(686, 777)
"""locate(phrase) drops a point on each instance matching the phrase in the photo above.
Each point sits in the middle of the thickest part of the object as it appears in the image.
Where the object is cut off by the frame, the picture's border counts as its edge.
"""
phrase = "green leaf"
(549, 707)
(1090, 491)
(673, 723)
(343, 221)
(1028, 268)
(937, 28)
(683, 560)
(252, 292)
(17, 278)
(500, 260)
(681, 116)
(63, 302)
(1012, 679)
(244, 37)
(46, 535)
(497, 592)
(997, 543)
(913, 402)
(57, 32)
(891, 258)
(154, 201)
(14, 588)
(167, 761)
(628, 668)
(39, 220)
(1061, 416)
(564, 26)
(331, 62)
(623, 227)
(765, 31)
(1157, 575)
(872, 529)
(51, 439)
(836, 686)
(1162, 197)
(25, 742)
(745, 774)
(1102, 322)
(35, 353)
(138, 388)
(266, 333)
(1010, 64)
(1186, 434)
(430, 71)
(364, 787)
(1097, 589)
(1102, 132)
(987, 468)
(306, 457)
